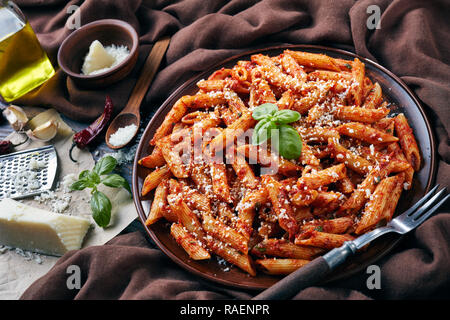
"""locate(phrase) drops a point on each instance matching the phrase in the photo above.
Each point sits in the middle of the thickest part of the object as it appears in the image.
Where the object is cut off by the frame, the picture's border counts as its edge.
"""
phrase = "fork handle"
(309, 275)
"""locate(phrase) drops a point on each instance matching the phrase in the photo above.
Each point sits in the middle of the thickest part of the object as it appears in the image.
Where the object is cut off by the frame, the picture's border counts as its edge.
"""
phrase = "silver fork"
(317, 269)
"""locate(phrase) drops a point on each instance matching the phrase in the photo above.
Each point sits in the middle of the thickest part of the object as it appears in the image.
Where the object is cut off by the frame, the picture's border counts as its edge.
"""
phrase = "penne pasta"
(394, 197)
(318, 134)
(273, 75)
(228, 136)
(212, 85)
(317, 179)
(188, 242)
(360, 114)
(279, 200)
(350, 159)
(174, 116)
(245, 173)
(247, 209)
(224, 233)
(374, 97)
(315, 96)
(377, 204)
(398, 154)
(280, 266)
(285, 249)
(291, 67)
(365, 133)
(329, 75)
(326, 202)
(204, 101)
(324, 240)
(227, 191)
(262, 156)
(365, 189)
(314, 60)
(357, 87)
(174, 160)
(155, 159)
(153, 179)
(231, 255)
(407, 141)
(219, 182)
(337, 225)
(159, 203)
(186, 217)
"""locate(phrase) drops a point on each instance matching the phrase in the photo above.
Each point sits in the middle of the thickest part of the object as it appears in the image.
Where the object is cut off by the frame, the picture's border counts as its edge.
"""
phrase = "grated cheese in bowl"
(101, 59)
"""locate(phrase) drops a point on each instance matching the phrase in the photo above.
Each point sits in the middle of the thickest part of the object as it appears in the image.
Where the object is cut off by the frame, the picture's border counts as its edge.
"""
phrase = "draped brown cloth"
(412, 41)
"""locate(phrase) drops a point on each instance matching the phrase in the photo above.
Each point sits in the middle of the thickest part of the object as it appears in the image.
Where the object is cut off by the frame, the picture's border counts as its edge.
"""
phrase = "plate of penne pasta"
(271, 158)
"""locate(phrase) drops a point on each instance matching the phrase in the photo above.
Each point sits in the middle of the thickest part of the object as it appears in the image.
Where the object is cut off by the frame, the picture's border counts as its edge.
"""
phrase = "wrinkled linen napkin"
(412, 41)
(18, 268)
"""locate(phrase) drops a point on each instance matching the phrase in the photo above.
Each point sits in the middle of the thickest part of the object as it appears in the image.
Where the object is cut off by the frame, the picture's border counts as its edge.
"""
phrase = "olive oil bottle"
(23, 64)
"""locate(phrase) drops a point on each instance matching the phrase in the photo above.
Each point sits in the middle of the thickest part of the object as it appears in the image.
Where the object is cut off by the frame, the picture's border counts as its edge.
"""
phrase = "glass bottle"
(24, 65)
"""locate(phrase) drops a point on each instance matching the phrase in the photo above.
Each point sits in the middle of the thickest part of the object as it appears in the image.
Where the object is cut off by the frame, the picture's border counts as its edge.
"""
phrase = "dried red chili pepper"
(84, 137)
(7, 146)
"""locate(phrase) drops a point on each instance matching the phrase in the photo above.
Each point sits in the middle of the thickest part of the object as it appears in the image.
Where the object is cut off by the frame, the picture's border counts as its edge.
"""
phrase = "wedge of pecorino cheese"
(37, 230)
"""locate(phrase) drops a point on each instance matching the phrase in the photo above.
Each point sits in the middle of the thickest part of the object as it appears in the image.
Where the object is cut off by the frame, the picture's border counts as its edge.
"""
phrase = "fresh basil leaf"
(264, 110)
(256, 130)
(265, 132)
(83, 174)
(290, 143)
(101, 208)
(261, 123)
(105, 165)
(79, 185)
(93, 177)
(113, 181)
(116, 181)
(286, 116)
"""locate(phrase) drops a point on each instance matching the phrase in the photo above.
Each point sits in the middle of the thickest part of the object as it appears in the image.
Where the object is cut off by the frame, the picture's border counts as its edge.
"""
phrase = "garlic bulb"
(44, 132)
(16, 117)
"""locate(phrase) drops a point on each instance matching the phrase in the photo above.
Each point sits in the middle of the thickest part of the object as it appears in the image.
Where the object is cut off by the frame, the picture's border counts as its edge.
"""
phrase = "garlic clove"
(51, 114)
(16, 117)
(44, 132)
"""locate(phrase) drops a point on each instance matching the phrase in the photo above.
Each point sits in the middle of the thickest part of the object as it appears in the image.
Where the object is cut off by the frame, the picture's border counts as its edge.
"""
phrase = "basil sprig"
(273, 124)
(101, 174)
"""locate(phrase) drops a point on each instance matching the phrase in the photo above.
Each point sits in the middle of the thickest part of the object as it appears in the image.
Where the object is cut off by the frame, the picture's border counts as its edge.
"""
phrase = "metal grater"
(19, 180)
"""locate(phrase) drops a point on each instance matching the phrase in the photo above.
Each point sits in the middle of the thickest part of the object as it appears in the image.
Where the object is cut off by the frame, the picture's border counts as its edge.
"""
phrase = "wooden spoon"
(130, 114)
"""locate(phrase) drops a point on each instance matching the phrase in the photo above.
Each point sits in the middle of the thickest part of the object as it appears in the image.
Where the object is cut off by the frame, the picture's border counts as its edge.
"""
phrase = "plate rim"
(163, 105)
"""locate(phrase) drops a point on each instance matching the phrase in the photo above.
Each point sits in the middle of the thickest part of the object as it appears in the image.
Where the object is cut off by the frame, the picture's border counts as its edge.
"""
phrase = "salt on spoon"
(126, 124)
(123, 135)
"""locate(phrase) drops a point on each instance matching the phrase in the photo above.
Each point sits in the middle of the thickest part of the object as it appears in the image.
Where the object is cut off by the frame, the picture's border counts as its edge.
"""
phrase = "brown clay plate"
(395, 91)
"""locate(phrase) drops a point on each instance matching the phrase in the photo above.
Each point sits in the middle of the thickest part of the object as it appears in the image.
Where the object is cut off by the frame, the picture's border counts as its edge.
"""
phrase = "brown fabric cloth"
(413, 42)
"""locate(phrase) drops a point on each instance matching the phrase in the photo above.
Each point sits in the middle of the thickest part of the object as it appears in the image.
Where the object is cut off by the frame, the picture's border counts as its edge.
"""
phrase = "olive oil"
(23, 64)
